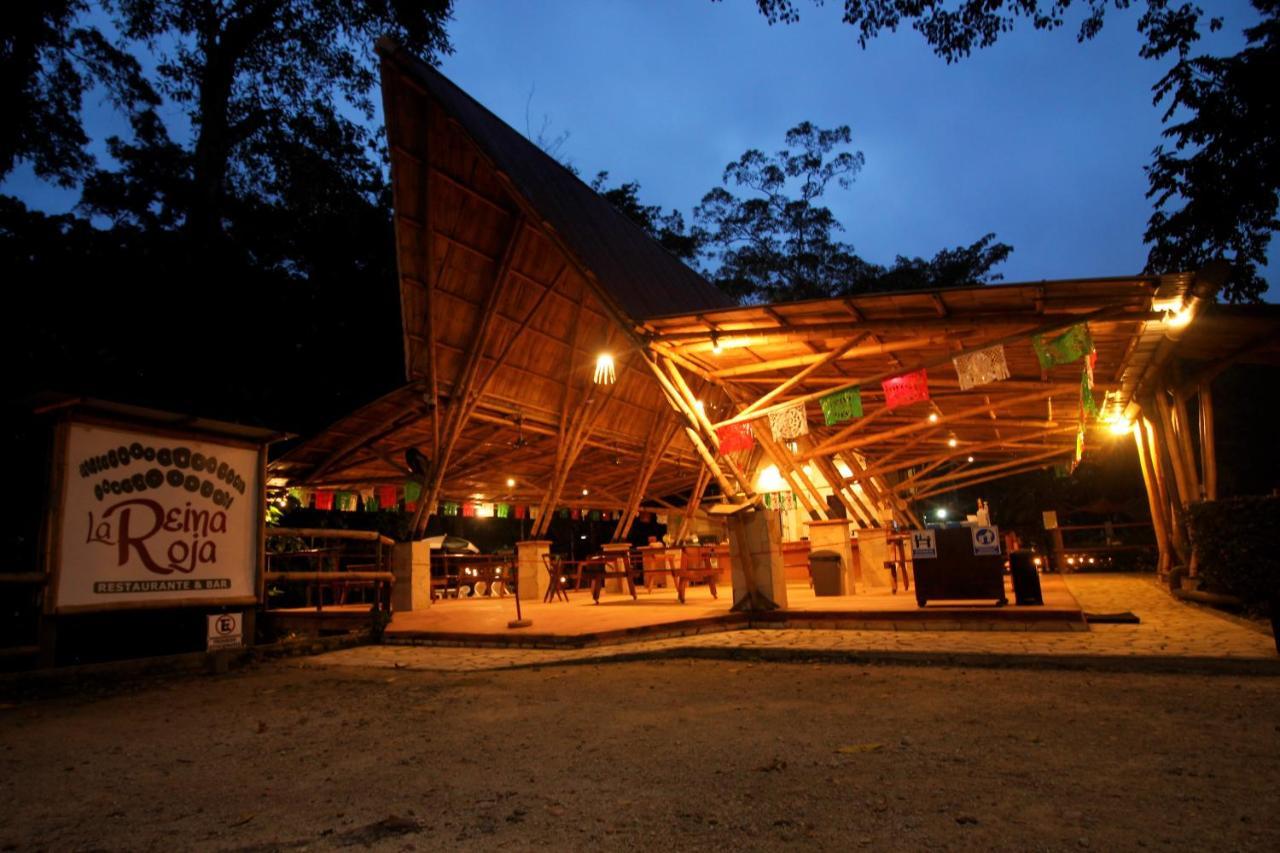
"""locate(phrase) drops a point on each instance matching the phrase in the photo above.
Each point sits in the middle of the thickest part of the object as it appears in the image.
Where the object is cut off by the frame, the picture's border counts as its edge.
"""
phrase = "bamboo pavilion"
(555, 355)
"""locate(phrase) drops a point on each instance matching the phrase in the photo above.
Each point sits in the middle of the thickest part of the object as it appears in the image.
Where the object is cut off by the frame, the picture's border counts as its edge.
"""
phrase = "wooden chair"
(695, 566)
(555, 588)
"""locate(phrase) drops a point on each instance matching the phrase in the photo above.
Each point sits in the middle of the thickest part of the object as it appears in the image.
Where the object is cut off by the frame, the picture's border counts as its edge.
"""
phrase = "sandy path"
(675, 754)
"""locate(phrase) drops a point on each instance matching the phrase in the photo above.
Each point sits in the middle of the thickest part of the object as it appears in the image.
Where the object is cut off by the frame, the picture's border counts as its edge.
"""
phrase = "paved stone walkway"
(1171, 633)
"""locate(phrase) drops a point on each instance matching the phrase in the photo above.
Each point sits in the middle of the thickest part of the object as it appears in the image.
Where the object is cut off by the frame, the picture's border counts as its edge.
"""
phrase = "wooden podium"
(956, 573)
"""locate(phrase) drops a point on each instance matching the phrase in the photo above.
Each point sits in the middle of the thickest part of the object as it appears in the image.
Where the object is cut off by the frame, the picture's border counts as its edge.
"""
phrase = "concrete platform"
(618, 619)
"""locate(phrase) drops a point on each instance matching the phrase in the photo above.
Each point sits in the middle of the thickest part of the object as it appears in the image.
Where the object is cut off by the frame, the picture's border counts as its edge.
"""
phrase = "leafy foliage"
(1234, 542)
(778, 242)
(953, 28)
(48, 62)
(1216, 189)
(666, 227)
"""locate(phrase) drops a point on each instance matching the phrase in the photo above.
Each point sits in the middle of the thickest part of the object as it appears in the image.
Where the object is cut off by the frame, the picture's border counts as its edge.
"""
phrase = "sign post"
(986, 540)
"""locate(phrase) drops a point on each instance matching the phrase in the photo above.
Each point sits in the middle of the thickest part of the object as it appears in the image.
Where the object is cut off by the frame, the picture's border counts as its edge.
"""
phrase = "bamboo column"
(1158, 519)
(695, 501)
(1208, 444)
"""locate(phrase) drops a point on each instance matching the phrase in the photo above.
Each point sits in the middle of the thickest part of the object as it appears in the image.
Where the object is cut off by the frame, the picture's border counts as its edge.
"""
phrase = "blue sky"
(1039, 139)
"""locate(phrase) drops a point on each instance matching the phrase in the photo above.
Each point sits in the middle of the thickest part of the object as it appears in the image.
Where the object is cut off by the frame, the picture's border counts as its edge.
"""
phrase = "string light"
(604, 374)
(951, 442)
(585, 493)
(510, 482)
(933, 417)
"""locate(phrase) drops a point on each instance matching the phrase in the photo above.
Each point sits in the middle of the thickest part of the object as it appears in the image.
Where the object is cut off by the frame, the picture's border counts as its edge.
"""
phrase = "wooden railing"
(337, 562)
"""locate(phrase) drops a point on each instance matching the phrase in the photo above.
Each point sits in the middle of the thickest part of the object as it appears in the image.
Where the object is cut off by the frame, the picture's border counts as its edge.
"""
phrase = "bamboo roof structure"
(514, 276)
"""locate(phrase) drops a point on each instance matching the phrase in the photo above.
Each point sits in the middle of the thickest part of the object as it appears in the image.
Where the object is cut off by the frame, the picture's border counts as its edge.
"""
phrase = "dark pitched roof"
(642, 278)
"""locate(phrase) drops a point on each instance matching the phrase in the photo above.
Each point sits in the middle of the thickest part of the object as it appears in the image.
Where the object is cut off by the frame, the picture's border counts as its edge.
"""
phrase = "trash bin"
(1026, 580)
(825, 568)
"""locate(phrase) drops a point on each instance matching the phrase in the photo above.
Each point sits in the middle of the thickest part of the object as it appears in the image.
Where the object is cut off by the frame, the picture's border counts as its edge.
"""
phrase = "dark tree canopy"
(1216, 187)
(953, 28)
(247, 201)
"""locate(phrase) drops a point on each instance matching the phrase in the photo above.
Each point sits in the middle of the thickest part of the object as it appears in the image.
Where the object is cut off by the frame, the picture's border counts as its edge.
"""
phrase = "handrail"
(325, 533)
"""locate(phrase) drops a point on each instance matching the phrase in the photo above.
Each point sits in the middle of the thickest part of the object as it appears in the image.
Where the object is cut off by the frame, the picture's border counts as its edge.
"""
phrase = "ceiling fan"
(519, 440)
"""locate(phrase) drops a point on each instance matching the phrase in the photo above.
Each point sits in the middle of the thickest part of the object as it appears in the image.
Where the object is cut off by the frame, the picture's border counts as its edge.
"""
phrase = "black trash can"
(1026, 580)
(825, 568)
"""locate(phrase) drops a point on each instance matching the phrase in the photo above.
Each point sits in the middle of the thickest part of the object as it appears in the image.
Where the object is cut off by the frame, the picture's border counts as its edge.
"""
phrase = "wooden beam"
(924, 423)
(1033, 467)
(958, 475)
(826, 358)
(849, 349)
(1100, 315)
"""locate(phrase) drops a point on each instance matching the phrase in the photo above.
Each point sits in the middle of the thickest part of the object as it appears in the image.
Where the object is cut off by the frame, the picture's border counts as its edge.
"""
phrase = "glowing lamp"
(604, 374)
(510, 482)
(951, 442)
(933, 417)
(941, 513)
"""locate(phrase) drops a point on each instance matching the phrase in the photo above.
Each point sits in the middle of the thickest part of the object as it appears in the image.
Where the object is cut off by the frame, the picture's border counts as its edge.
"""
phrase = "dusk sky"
(1039, 139)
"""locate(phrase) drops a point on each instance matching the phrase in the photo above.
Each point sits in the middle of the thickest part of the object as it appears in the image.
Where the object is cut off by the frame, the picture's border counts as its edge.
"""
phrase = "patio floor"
(580, 622)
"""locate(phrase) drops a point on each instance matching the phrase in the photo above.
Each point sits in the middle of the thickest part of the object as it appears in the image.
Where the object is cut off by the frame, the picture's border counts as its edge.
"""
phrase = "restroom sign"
(924, 544)
(986, 540)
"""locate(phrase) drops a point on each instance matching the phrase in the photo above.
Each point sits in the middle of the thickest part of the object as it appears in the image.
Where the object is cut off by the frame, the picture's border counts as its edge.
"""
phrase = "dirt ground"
(664, 754)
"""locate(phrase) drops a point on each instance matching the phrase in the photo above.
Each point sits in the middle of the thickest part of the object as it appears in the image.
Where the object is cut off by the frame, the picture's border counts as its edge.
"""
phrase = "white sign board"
(986, 540)
(153, 520)
(924, 544)
(226, 631)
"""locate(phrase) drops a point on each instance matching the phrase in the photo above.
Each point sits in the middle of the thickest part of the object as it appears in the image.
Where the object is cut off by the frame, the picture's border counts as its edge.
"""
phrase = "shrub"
(1236, 544)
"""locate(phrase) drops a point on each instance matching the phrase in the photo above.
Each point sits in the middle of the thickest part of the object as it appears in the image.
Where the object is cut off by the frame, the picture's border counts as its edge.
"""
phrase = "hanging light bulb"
(951, 442)
(510, 482)
(604, 374)
(715, 344)
(933, 417)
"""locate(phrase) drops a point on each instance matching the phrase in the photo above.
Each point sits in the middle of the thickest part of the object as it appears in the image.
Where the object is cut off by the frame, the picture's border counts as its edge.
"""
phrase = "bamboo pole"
(1158, 520)
(649, 465)
(1022, 460)
(831, 444)
(924, 424)
(1208, 444)
(1181, 477)
(827, 358)
(1035, 466)
(1178, 406)
(1160, 466)
(695, 501)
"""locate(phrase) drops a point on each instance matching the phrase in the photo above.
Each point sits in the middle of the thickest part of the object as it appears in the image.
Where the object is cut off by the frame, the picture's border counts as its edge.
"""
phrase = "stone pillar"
(531, 572)
(873, 550)
(760, 532)
(833, 535)
(411, 564)
(619, 557)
